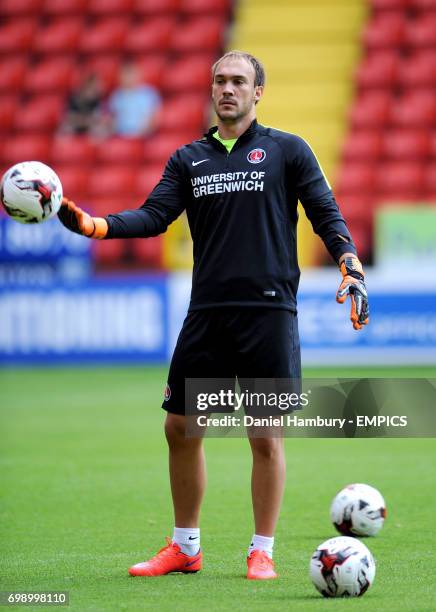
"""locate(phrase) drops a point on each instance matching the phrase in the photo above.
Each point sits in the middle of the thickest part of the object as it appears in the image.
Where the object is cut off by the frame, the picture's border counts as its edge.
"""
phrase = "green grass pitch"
(85, 494)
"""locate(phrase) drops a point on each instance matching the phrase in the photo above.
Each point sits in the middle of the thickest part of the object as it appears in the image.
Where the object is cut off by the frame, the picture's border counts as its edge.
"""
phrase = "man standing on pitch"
(240, 185)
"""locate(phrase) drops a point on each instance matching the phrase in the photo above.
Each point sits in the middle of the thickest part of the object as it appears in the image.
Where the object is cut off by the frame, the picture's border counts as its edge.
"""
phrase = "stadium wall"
(137, 319)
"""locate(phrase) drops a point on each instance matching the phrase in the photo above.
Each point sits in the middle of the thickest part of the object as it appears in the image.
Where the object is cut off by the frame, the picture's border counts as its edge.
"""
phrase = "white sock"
(264, 543)
(188, 538)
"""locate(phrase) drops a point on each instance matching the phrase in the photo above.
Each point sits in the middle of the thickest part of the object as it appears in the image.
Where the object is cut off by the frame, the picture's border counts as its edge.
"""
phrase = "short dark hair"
(259, 71)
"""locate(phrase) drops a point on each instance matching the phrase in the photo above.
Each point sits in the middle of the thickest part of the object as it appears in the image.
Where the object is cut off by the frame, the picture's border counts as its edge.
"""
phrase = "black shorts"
(225, 343)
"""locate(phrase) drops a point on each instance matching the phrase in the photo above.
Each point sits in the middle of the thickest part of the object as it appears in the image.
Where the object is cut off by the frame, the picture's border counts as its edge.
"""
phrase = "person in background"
(84, 108)
(134, 106)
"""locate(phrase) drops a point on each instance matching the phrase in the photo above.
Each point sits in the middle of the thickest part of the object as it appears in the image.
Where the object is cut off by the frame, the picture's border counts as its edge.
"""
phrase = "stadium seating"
(109, 7)
(379, 69)
(156, 7)
(12, 73)
(17, 35)
(362, 146)
(39, 114)
(105, 36)
(402, 180)
(406, 145)
(393, 118)
(120, 151)
(74, 181)
(151, 35)
(15, 8)
(47, 45)
(64, 7)
(386, 30)
(418, 70)
(356, 178)
(27, 147)
(371, 109)
(73, 150)
(51, 76)
(8, 105)
(203, 34)
(61, 36)
(191, 72)
(420, 32)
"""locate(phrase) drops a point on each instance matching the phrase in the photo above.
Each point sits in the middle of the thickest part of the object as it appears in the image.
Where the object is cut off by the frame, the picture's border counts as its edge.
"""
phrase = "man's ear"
(258, 92)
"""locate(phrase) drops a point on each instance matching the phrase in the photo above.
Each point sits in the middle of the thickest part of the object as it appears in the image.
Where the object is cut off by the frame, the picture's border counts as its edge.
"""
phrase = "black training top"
(242, 213)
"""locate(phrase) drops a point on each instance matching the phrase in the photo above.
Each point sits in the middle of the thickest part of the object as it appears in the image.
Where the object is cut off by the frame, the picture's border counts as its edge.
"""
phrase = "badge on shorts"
(256, 156)
(167, 392)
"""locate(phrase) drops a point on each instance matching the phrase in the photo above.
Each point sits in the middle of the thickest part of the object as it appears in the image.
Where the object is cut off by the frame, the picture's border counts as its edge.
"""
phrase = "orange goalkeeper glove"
(80, 222)
(353, 285)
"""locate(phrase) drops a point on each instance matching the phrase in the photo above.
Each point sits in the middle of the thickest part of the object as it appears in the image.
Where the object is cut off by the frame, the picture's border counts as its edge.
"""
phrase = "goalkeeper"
(240, 185)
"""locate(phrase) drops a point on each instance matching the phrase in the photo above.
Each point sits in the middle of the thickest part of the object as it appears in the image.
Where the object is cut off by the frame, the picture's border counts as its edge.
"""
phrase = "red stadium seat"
(61, 36)
(40, 114)
(24, 8)
(8, 105)
(106, 36)
(189, 73)
(379, 69)
(354, 206)
(152, 35)
(362, 236)
(198, 7)
(147, 179)
(109, 252)
(399, 181)
(109, 180)
(12, 71)
(73, 150)
(121, 150)
(147, 252)
(155, 7)
(198, 34)
(52, 75)
(424, 4)
(64, 7)
(371, 110)
(159, 148)
(27, 148)
(421, 32)
(107, 67)
(184, 112)
(406, 145)
(385, 30)
(152, 69)
(414, 109)
(109, 7)
(384, 5)
(74, 181)
(419, 70)
(355, 178)
(432, 138)
(17, 35)
(362, 146)
(430, 180)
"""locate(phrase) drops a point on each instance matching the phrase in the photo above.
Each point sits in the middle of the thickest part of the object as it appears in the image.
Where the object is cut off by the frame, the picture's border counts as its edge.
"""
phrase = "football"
(31, 192)
(342, 567)
(358, 510)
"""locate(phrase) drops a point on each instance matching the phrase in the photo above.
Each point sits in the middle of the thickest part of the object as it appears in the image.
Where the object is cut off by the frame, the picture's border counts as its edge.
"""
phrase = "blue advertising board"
(138, 319)
(42, 253)
(108, 320)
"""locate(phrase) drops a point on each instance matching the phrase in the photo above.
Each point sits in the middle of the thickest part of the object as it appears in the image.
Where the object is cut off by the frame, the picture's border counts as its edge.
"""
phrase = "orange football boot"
(260, 566)
(169, 559)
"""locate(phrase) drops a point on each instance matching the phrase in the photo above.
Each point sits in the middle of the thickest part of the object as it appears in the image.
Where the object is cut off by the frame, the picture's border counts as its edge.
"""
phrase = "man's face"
(233, 90)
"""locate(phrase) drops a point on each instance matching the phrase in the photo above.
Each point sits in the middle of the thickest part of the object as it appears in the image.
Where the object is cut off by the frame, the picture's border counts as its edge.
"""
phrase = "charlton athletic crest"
(256, 156)
(167, 392)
